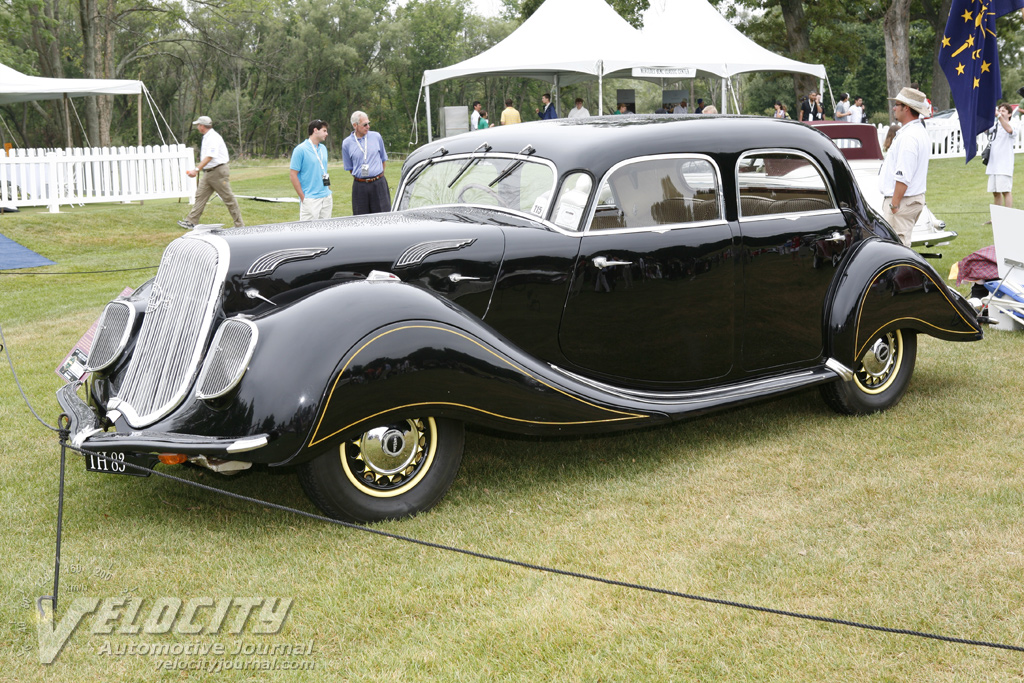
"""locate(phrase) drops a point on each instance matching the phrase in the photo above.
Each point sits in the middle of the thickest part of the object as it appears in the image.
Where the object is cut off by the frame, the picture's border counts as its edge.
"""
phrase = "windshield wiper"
(469, 162)
(430, 162)
(512, 166)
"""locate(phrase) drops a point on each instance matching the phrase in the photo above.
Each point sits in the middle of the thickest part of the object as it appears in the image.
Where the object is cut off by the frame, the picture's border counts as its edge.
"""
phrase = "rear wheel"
(392, 471)
(881, 377)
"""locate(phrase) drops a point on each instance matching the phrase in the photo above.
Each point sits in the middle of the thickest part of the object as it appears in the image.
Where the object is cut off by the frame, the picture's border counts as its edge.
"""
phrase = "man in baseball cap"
(213, 163)
(905, 171)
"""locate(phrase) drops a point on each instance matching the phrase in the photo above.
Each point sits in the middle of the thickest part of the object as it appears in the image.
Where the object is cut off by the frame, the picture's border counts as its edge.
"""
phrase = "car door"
(654, 285)
(793, 237)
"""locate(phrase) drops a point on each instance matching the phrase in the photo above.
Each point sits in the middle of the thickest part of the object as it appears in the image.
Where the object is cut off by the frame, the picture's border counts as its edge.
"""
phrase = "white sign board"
(664, 72)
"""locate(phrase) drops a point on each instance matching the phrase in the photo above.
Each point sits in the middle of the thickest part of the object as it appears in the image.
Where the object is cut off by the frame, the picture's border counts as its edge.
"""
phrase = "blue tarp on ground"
(13, 255)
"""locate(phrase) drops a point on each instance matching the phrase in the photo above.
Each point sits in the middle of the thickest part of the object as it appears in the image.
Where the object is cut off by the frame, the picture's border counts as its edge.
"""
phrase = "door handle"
(836, 238)
(455, 277)
(603, 262)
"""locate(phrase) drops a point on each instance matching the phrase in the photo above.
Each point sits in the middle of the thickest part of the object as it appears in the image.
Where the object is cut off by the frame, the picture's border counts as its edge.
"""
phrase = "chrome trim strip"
(269, 262)
(251, 444)
(418, 252)
(741, 389)
(845, 373)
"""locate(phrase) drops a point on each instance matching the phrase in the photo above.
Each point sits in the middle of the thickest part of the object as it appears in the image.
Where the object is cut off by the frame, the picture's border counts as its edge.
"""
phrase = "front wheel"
(392, 471)
(881, 378)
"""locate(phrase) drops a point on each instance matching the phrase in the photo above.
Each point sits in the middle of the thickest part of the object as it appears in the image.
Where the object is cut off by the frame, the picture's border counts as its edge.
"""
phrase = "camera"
(327, 180)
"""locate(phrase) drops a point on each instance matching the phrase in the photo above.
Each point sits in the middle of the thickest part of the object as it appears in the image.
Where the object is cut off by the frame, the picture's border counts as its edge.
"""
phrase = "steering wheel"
(483, 188)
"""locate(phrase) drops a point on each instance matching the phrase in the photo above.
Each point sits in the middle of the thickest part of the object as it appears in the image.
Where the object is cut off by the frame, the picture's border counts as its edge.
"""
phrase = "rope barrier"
(83, 272)
(555, 570)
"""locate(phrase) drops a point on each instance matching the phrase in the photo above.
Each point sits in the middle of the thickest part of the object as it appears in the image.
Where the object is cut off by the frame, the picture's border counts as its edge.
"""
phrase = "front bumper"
(85, 432)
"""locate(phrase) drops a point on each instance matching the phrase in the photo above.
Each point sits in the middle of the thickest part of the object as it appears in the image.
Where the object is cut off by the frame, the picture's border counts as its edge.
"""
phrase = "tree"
(630, 10)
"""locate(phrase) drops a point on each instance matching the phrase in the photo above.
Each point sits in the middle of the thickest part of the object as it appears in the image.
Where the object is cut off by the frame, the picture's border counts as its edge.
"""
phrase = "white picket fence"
(948, 141)
(52, 177)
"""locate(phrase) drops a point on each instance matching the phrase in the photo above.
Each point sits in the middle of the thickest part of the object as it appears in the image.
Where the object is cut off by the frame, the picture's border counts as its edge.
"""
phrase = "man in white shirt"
(905, 171)
(857, 110)
(1000, 161)
(474, 118)
(213, 155)
(579, 111)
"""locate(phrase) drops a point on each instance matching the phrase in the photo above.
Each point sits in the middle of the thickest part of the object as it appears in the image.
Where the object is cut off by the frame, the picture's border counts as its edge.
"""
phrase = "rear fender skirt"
(884, 287)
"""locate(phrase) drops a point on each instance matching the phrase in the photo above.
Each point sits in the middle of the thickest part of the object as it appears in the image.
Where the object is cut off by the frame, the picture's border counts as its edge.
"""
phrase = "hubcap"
(386, 461)
(880, 363)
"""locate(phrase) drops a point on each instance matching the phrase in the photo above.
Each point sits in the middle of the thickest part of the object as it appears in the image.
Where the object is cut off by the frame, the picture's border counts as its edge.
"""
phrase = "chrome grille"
(228, 358)
(174, 332)
(111, 335)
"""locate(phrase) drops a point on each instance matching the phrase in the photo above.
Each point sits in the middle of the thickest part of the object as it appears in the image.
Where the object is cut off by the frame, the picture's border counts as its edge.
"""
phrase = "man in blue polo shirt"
(364, 157)
(309, 174)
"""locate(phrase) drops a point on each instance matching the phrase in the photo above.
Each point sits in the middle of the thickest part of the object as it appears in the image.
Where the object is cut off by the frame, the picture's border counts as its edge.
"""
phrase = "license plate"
(116, 463)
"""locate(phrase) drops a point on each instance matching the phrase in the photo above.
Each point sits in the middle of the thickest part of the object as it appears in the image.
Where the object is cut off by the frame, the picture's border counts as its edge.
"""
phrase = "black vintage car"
(568, 276)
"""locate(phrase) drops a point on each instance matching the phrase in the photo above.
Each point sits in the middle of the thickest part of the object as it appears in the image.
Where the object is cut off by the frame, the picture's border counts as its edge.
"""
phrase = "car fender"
(385, 350)
(884, 286)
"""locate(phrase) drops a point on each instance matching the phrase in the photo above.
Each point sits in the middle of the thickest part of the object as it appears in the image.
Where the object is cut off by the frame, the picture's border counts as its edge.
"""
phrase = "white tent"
(18, 87)
(563, 42)
(567, 41)
(691, 33)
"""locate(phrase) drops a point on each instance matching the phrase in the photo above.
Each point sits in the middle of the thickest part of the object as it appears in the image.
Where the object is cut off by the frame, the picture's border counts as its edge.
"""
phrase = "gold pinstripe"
(317, 439)
(940, 287)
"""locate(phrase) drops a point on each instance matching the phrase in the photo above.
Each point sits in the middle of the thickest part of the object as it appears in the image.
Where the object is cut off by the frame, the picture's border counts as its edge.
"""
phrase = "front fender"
(885, 286)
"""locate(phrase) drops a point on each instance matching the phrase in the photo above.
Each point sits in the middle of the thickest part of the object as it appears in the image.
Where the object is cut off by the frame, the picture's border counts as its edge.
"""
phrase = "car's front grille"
(111, 334)
(174, 331)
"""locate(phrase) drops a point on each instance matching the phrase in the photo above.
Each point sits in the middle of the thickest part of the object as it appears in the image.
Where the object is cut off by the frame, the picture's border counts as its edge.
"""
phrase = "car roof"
(597, 143)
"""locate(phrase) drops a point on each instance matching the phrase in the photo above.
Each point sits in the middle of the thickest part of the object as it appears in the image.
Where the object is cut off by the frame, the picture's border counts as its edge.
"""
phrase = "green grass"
(909, 519)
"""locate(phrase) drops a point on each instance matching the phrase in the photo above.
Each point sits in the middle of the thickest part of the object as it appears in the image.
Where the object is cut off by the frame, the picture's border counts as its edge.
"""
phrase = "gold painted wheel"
(385, 461)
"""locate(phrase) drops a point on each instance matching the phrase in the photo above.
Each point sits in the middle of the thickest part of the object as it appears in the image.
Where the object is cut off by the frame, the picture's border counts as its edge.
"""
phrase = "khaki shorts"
(903, 221)
(316, 209)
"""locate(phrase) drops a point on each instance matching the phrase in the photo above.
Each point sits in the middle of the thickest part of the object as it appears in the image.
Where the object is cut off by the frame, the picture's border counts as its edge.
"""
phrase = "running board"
(680, 403)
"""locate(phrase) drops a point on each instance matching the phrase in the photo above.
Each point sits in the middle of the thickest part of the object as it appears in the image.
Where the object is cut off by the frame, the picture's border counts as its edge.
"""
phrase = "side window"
(780, 182)
(572, 199)
(661, 191)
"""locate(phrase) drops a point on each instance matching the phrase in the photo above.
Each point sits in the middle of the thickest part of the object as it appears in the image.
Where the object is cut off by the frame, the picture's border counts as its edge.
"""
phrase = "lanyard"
(317, 153)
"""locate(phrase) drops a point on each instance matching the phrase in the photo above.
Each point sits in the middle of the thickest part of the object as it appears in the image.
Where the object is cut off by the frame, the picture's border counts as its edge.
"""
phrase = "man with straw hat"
(905, 171)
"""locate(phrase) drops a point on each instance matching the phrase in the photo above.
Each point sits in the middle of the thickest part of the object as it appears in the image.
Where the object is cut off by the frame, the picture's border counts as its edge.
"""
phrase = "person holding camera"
(1000, 161)
(364, 156)
(309, 174)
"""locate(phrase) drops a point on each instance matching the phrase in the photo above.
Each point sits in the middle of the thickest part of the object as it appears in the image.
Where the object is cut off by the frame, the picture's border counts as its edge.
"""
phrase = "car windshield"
(506, 181)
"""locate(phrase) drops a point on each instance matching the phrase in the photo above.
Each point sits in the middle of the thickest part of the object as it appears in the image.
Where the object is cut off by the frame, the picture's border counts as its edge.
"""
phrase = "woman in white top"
(1000, 160)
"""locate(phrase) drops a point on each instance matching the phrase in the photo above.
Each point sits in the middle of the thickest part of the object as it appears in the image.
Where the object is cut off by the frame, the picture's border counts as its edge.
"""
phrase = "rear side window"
(658, 191)
(779, 182)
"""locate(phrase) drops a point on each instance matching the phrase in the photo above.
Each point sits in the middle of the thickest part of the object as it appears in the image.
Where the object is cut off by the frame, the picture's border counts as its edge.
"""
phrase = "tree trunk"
(896, 27)
(45, 20)
(88, 17)
(799, 44)
(937, 12)
(105, 103)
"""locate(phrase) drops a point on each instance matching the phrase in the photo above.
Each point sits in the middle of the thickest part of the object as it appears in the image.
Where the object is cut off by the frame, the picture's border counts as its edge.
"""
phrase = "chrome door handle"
(603, 262)
(455, 277)
(836, 238)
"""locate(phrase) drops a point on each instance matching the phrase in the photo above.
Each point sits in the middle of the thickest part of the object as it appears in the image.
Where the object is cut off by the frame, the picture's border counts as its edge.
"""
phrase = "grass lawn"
(910, 519)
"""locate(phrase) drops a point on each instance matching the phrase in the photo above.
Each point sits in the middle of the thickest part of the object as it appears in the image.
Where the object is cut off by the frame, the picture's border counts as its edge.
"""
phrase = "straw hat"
(915, 99)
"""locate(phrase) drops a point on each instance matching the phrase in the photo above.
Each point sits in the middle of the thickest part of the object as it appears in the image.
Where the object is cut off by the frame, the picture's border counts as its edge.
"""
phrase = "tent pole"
(139, 118)
(600, 88)
(556, 94)
(725, 96)
(67, 119)
(430, 127)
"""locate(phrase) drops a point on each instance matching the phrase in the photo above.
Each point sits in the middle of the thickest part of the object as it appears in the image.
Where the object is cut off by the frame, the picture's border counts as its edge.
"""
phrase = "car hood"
(454, 251)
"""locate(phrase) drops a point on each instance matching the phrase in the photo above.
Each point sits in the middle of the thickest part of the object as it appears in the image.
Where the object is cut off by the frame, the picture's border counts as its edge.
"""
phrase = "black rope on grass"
(82, 272)
(560, 572)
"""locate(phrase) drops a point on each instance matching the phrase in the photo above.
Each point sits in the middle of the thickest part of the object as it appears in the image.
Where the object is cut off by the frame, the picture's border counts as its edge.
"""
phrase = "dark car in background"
(557, 277)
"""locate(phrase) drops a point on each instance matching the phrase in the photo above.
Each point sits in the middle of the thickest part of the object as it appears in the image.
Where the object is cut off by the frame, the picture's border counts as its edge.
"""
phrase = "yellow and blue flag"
(969, 57)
